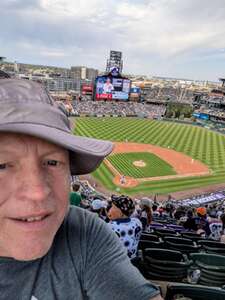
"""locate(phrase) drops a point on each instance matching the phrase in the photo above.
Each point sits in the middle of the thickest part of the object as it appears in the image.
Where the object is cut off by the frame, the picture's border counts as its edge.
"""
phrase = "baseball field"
(156, 156)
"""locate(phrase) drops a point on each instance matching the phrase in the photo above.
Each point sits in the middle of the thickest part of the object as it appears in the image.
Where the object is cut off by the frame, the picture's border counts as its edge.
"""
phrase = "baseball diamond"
(154, 166)
(198, 145)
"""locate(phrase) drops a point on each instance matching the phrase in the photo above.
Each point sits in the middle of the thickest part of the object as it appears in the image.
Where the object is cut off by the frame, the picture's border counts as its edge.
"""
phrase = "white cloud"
(78, 8)
(151, 33)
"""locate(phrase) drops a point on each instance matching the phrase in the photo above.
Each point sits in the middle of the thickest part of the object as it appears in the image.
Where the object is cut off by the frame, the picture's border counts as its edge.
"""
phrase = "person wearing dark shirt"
(200, 222)
(48, 249)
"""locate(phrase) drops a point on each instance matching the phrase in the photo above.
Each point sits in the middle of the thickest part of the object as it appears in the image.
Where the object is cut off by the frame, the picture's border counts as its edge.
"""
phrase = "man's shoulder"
(77, 229)
(79, 216)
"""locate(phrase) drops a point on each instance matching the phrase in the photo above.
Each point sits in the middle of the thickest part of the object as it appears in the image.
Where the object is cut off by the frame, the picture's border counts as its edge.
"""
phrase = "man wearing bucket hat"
(48, 250)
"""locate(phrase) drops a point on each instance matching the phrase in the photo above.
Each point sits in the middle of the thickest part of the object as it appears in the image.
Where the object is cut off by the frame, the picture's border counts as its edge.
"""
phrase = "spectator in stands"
(222, 238)
(222, 218)
(155, 212)
(190, 221)
(200, 222)
(179, 212)
(99, 207)
(49, 250)
(146, 213)
(215, 225)
(75, 196)
(128, 229)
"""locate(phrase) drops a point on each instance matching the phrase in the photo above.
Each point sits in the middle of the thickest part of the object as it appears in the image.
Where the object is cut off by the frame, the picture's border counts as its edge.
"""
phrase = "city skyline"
(171, 38)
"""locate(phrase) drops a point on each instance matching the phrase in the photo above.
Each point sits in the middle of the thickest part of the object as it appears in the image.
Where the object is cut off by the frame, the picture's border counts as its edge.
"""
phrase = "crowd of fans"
(174, 94)
(129, 218)
(217, 112)
(123, 109)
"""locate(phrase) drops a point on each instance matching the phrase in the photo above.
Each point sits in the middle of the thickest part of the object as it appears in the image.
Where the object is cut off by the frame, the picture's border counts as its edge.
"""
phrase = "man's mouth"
(30, 219)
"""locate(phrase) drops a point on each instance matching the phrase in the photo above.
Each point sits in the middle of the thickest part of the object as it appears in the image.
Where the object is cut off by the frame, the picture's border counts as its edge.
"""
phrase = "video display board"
(112, 88)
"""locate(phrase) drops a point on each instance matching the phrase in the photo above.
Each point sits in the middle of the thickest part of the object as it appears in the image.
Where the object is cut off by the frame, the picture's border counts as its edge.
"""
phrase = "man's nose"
(35, 184)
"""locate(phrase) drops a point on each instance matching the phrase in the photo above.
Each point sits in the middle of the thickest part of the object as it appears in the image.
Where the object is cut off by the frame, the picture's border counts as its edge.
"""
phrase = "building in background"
(83, 75)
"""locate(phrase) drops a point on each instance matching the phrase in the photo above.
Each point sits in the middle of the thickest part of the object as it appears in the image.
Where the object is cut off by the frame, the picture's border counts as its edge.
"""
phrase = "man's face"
(114, 213)
(34, 188)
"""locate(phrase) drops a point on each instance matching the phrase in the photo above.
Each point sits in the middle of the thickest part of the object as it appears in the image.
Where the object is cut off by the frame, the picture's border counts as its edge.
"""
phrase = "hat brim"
(86, 154)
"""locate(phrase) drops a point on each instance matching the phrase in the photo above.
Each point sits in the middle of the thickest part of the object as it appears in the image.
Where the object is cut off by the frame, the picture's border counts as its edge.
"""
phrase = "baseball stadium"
(152, 156)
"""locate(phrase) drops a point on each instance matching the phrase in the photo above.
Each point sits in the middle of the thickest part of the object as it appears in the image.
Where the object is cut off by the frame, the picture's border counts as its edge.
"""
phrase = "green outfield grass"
(154, 166)
(201, 144)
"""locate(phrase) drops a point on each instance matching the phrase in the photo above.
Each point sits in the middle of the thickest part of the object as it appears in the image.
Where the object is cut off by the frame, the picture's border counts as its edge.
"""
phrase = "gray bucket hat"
(27, 108)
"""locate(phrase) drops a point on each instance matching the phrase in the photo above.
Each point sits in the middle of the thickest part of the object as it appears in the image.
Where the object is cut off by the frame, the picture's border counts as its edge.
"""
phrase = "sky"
(171, 38)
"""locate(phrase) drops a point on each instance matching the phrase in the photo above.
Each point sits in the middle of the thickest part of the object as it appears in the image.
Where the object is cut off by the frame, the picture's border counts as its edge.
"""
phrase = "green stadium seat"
(150, 237)
(163, 264)
(194, 292)
(162, 232)
(212, 268)
(210, 246)
(179, 240)
(191, 235)
(145, 244)
(184, 248)
(209, 261)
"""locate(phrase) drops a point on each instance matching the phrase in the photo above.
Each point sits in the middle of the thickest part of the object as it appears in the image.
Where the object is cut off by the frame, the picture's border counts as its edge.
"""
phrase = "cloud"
(154, 35)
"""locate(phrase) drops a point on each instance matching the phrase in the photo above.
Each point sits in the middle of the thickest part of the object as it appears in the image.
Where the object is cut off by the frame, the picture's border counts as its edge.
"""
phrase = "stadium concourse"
(182, 242)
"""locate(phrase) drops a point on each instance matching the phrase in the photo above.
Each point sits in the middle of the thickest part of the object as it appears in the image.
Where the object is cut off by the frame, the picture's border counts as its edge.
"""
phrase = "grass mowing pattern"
(201, 144)
(154, 166)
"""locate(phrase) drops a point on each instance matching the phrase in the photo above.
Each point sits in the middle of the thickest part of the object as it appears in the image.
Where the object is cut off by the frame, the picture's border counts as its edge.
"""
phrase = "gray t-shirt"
(86, 261)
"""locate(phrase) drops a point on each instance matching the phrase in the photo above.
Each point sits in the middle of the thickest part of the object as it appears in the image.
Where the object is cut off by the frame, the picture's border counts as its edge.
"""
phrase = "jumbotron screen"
(111, 88)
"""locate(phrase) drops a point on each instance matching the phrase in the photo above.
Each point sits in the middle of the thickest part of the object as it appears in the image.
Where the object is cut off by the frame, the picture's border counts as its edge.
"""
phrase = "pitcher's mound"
(139, 163)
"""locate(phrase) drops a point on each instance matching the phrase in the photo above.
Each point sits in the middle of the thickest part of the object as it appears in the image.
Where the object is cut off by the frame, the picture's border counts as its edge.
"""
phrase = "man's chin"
(30, 256)
(30, 253)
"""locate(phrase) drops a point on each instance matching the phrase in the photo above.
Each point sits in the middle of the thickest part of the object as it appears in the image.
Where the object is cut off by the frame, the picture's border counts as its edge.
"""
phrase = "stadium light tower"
(223, 82)
(115, 60)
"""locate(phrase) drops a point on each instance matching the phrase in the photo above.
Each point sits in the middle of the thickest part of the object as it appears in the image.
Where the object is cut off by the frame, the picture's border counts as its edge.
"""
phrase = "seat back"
(149, 237)
(211, 244)
(145, 244)
(209, 260)
(194, 292)
(179, 240)
(165, 255)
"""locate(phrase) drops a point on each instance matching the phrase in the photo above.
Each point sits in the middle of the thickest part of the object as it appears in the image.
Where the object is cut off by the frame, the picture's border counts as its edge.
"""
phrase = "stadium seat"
(162, 232)
(191, 235)
(145, 244)
(150, 237)
(156, 225)
(177, 228)
(194, 292)
(212, 268)
(165, 220)
(163, 264)
(211, 261)
(210, 246)
(184, 248)
(179, 240)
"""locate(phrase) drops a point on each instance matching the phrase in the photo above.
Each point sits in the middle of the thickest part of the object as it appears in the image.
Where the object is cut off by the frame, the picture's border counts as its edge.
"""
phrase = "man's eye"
(52, 163)
(3, 166)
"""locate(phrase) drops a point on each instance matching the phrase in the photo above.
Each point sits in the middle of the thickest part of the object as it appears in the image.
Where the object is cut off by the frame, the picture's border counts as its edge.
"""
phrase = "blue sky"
(175, 38)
